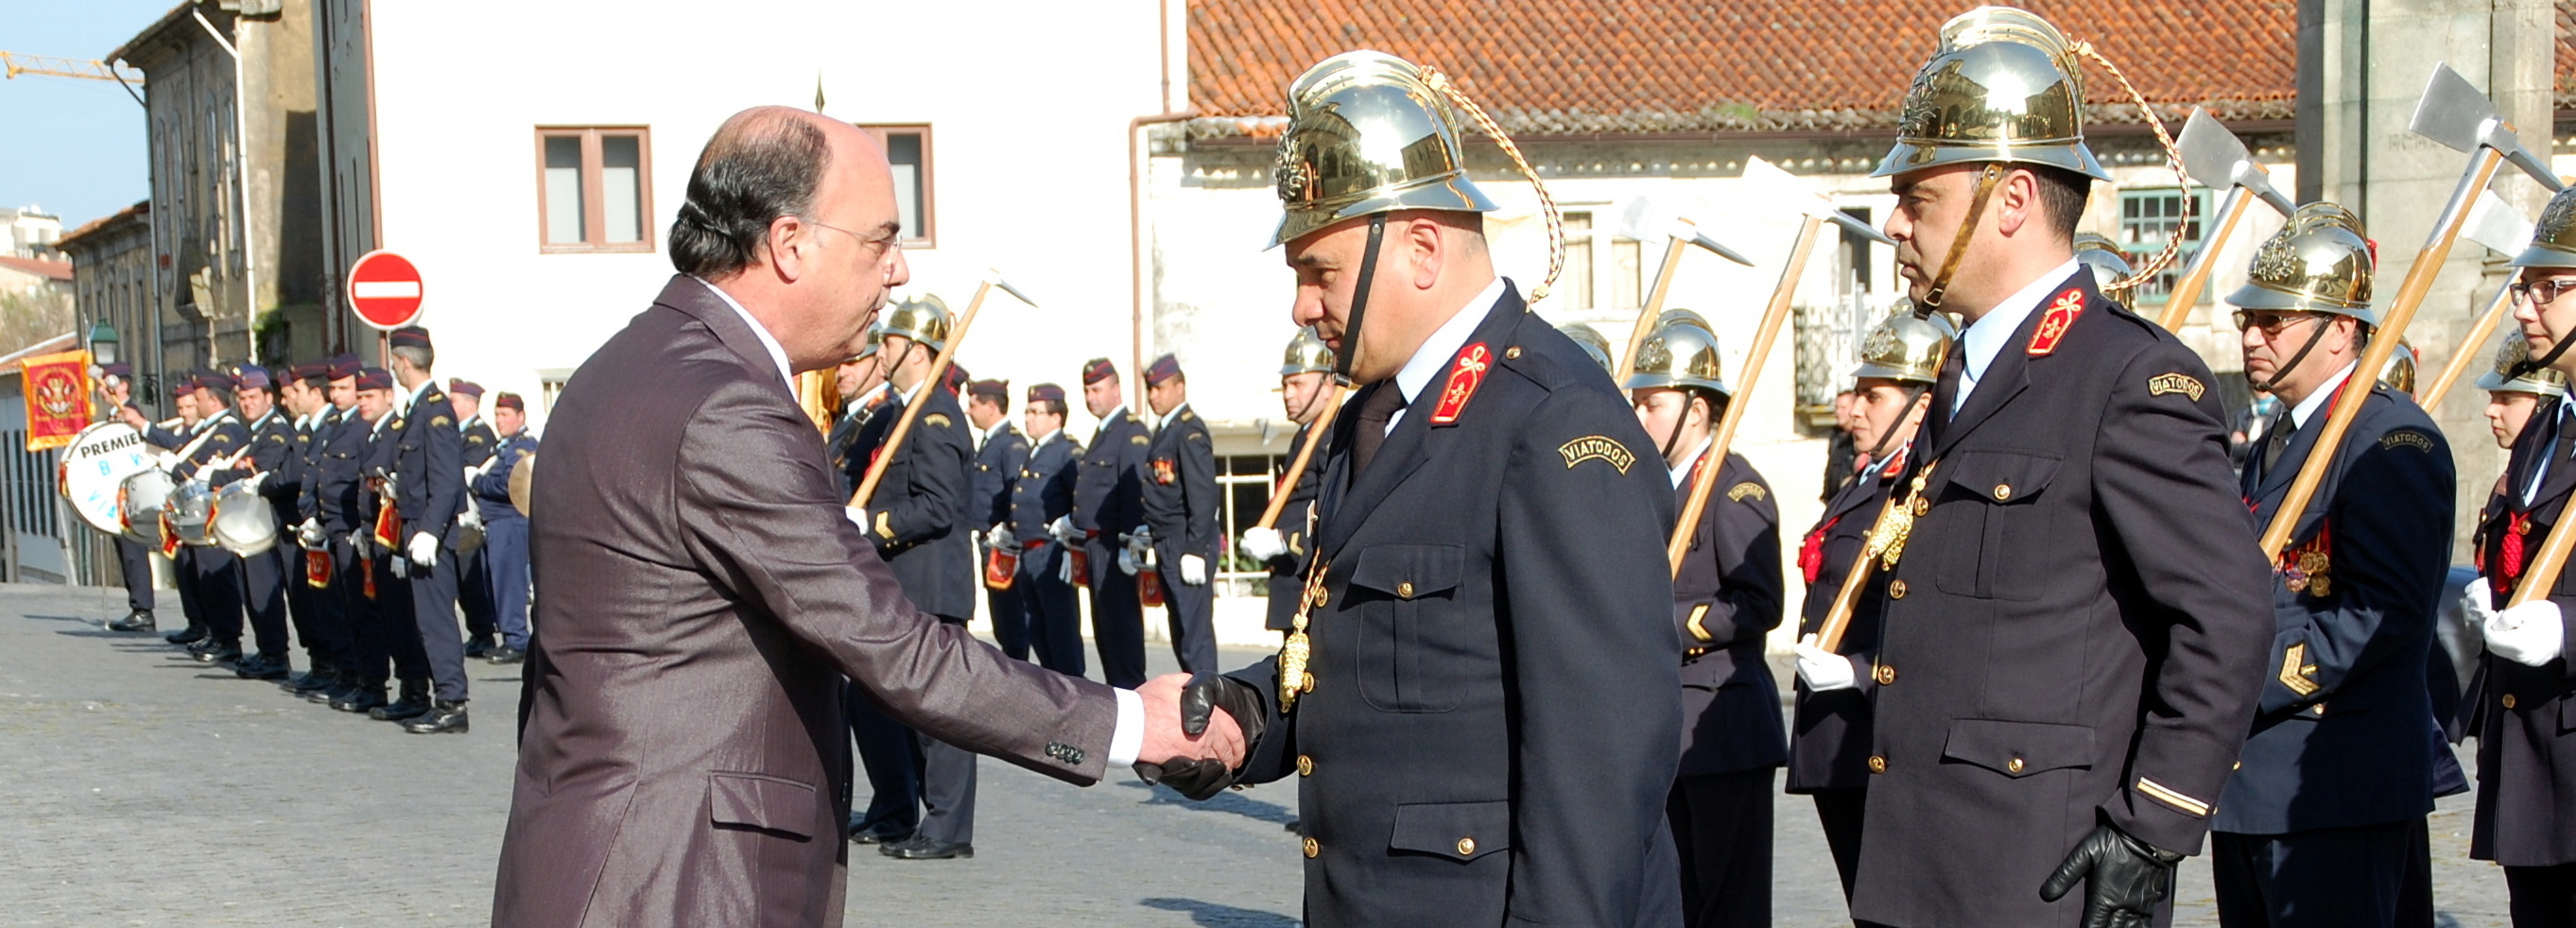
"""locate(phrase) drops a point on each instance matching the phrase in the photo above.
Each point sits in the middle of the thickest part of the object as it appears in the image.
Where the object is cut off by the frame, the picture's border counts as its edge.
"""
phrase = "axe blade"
(2497, 225)
(994, 277)
(2218, 160)
(1684, 230)
(2453, 111)
(1855, 226)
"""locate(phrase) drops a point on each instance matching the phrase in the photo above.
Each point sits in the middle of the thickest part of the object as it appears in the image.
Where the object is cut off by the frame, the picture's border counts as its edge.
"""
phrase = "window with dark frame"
(907, 148)
(594, 189)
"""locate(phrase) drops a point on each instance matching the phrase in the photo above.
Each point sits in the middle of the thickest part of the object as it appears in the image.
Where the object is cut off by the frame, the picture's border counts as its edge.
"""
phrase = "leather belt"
(1033, 544)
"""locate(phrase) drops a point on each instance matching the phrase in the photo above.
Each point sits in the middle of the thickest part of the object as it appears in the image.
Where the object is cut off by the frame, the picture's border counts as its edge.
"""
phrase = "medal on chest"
(2309, 568)
(1896, 522)
(1294, 681)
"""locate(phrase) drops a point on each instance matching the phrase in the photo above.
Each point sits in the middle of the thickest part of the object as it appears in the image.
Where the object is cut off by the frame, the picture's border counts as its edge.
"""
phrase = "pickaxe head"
(994, 277)
(2219, 160)
(2497, 225)
(1684, 230)
(1854, 225)
(2454, 113)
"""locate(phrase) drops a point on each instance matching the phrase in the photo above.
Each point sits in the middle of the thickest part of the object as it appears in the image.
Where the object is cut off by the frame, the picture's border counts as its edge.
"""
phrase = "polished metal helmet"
(1691, 316)
(1680, 353)
(1906, 348)
(2319, 262)
(2553, 239)
(923, 320)
(1592, 342)
(2509, 355)
(2097, 251)
(2399, 373)
(1307, 354)
(1367, 133)
(2003, 86)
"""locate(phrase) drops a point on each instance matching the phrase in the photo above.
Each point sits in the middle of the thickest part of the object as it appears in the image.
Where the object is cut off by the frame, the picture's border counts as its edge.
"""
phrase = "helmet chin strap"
(1675, 436)
(1934, 295)
(1359, 301)
(1878, 449)
(2530, 365)
(2274, 382)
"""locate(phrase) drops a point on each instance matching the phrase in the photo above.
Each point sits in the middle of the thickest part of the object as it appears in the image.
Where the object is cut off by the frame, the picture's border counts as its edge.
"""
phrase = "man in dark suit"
(1041, 498)
(1305, 386)
(429, 477)
(2323, 817)
(328, 496)
(679, 751)
(505, 531)
(1726, 600)
(1000, 453)
(1181, 518)
(476, 443)
(1108, 506)
(2072, 642)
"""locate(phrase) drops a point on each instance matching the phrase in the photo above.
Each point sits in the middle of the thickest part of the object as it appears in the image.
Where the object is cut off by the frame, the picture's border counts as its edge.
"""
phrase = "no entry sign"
(385, 290)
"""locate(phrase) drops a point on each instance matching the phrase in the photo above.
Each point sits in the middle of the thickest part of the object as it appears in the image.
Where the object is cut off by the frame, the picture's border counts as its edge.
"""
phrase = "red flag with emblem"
(57, 388)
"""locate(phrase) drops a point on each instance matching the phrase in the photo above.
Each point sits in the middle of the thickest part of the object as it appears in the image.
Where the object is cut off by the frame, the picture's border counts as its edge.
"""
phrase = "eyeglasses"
(2542, 291)
(893, 241)
(2271, 323)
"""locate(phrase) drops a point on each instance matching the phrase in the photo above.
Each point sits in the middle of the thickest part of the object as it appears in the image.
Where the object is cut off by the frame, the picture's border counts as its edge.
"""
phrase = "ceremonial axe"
(938, 370)
(1640, 220)
(2217, 159)
(2501, 228)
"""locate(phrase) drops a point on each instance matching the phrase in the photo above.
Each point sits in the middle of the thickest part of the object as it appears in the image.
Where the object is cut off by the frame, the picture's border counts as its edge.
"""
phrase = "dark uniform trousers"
(1725, 601)
(263, 579)
(427, 459)
(474, 591)
(2318, 824)
(505, 559)
(2525, 717)
(1003, 454)
(134, 561)
(1829, 732)
(2075, 629)
(1180, 503)
(263, 575)
(214, 575)
(1107, 502)
(1042, 493)
(433, 611)
(1491, 734)
(381, 624)
(1117, 615)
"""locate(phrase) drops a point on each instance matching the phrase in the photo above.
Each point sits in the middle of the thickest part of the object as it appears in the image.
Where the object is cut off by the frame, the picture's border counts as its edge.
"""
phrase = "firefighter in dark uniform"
(1477, 698)
(505, 529)
(1305, 385)
(388, 611)
(1000, 453)
(2525, 715)
(860, 384)
(2319, 823)
(430, 483)
(1042, 497)
(1829, 732)
(1108, 506)
(183, 401)
(1726, 600)
(333, 481)
(133, 560)
(2077, 613)
(1181, 528)
(301, 400)
(921, 520)
(473, 570)
(264, 576)
(210, 571)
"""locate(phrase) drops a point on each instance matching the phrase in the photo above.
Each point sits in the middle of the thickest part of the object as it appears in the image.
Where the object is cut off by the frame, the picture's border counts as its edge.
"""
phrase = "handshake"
(1203, 726)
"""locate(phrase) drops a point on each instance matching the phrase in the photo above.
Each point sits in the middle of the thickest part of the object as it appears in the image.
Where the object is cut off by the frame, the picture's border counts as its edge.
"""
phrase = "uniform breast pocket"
(1993, 499)
(1406, 595)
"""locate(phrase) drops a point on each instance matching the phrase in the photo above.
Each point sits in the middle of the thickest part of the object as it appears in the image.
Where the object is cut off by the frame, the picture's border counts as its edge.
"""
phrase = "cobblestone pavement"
(140, 788)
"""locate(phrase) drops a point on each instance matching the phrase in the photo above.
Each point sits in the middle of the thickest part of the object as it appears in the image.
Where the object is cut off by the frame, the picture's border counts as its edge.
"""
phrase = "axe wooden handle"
(1654, 310)
(2472, 347)
(2186, 288)
(912, 410)
(1305, 453)
(2542, 577)
(1772, 317)
(2365, 375)
(1829, 633)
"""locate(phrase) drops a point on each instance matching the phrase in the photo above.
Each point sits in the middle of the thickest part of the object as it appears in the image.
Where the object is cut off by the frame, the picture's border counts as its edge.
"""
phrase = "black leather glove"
(2125, 878)
(1205, 694)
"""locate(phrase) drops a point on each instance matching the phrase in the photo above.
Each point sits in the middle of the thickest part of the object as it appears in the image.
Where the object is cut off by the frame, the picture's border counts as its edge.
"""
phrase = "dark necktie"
(2277, 440)
(1945, 390)
(1381, 406)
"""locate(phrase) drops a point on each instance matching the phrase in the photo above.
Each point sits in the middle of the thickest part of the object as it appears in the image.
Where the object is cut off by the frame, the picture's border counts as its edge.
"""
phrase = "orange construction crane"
(17, 63)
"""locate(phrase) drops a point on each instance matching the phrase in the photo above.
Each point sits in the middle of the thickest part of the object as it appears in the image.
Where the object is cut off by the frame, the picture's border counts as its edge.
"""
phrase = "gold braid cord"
(1547, 204)
(2173, 156)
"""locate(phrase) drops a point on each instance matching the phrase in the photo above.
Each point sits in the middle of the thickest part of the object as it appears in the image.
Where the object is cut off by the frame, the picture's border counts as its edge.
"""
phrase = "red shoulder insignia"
(2052, 327)
(1464, 377)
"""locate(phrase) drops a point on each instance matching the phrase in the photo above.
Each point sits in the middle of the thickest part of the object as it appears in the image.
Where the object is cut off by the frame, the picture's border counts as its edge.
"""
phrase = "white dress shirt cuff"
(1128, 740)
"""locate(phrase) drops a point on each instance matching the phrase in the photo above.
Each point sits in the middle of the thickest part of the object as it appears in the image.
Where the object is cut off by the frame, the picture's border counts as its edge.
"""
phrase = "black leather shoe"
(413, 704)
(505, 654)
(361, 698)
(262, 667)
(139, 620)
(477, 647)
(920, 848)
(320, 677)
(1292, 825)
(886, 833)
(190, 635)
(445, 717)
(219, 654)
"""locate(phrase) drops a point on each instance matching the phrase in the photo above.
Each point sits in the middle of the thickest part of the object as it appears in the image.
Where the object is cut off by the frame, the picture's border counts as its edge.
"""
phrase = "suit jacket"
(1180, 495)
(1829, 733)
(223, 435)
(2075, 630)
(682, 745)
(2344, 735)
(381, 456)
(2525, 717)
(922, 519)
(1491, 734)
(1288, 570)
(1725, 602)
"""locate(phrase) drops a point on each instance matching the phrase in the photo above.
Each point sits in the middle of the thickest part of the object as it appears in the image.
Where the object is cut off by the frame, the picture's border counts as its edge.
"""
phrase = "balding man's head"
(762, 164)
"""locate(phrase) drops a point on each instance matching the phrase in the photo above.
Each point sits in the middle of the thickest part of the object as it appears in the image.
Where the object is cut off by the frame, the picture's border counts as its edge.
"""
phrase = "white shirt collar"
(263, 419)
(1166, 421)
(1113, 416)
(468, 422)
(1433, 357)
(2299, 414)
(212, 421)
(1000, 426)
(1681, 472)
(1039, 441)
(786, 373)
(1985, 337)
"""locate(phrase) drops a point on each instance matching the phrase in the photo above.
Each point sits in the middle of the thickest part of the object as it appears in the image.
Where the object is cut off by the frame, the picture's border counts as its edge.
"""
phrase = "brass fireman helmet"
(923, 320)
(1680, 353)
(1592, 342)
(2399, 373)
(1307, 354)
(2097, 251)
(1906, 348)
(2553, 240)
(1691, 316)
(2003, 86)
(2319, 262)
(1367, 134)
(2514, 350)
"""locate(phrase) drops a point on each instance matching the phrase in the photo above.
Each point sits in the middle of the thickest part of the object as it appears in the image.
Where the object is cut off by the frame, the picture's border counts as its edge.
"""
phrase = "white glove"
(401, 568)
(310, 533)
(257, 480)
(424, 549)
(1064, 569)
(2530, 634)
(1262, 544)
(1063, 530)
(1193, 570)
(1823, 671)
(1127, 560)
(999, 537)
(858, 516)
(475, 472)
(2477, 603)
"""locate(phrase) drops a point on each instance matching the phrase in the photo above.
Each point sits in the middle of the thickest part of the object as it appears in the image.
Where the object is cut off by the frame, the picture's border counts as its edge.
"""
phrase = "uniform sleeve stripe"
(1696, 629)
(2166, 795)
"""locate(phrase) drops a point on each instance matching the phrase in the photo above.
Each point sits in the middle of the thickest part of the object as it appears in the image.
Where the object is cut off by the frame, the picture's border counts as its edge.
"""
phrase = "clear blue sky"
(75, 147)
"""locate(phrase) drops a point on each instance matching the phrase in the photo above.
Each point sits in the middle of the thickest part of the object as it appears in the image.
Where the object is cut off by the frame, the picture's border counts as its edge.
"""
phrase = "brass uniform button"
(1885, 675)
(2014, 765)
(1404, 589)
(1922, 507)
(1305, 766)
(2240, 765)
(2003, 491)
(1877, 763)
(1466, 847)
(1896, 589)
(1312, 848)
(2508, 700)
(1508, 354)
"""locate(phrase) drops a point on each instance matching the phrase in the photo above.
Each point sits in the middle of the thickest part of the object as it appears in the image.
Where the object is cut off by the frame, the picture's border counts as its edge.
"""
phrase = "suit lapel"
(1416, 438)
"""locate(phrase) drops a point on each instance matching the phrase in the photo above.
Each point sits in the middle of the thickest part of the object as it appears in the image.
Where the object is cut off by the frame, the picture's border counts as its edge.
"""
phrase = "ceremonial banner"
(57, 387)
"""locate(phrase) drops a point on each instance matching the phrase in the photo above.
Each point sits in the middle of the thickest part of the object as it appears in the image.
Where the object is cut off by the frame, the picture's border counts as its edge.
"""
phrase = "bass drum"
(93, 470)
(523, 483)
(191, 506)
(242, 521)
(139, 501)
